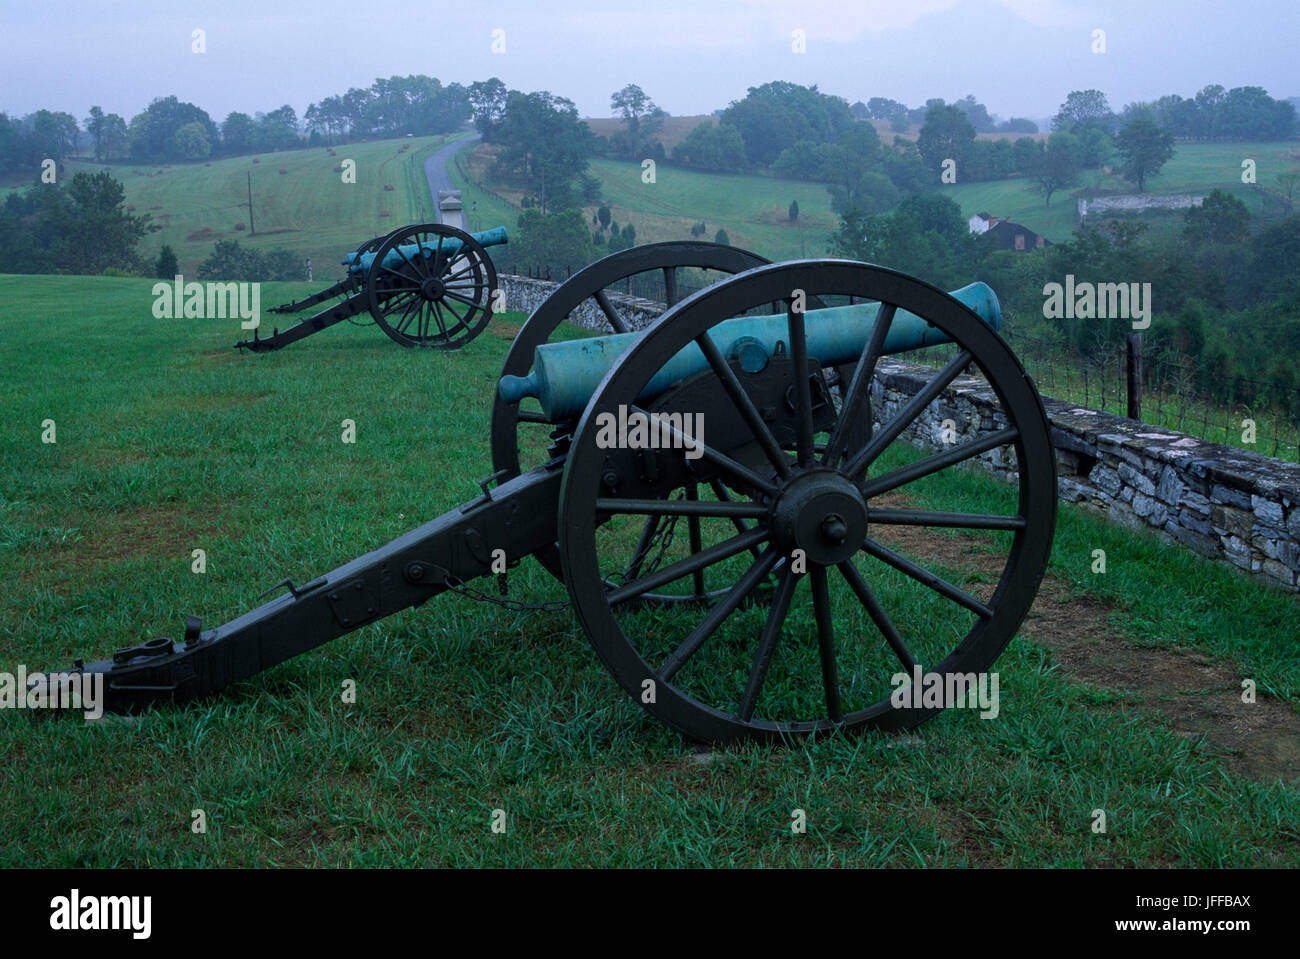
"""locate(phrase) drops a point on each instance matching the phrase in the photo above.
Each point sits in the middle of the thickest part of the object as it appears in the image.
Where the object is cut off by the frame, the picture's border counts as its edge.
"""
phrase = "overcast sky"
(1019, 57)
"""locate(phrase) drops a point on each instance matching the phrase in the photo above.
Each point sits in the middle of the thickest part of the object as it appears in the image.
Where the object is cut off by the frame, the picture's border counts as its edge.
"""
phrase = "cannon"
(798, 595)
(427, 285)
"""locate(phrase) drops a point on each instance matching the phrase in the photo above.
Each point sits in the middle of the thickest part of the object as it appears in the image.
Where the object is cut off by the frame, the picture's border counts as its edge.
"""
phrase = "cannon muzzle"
(450, 247)
(565, 375)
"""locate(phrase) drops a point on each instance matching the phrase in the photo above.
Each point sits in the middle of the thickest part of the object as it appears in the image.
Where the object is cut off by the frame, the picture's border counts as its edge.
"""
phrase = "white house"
(982, 222)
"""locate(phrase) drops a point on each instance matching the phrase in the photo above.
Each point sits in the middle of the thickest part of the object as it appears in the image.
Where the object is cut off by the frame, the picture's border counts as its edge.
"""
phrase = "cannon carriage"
(428, 285)
(735, 565)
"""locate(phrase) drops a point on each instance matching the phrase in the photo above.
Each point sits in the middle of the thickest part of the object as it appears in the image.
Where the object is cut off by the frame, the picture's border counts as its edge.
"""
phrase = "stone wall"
(1135, 202)
(1226, 504)
(525, 295)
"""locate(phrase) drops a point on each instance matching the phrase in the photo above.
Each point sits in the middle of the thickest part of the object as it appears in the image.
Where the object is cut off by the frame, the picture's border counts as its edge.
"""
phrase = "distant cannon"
(803, 581)
(429, 285)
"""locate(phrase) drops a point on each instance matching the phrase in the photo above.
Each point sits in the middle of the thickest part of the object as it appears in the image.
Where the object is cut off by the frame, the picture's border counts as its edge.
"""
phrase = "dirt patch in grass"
(142, 532)
(505, 329)
(1198, 696)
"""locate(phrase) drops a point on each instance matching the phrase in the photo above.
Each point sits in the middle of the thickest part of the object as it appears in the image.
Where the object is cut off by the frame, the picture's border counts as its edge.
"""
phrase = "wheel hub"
(822, 513)
(433, 288)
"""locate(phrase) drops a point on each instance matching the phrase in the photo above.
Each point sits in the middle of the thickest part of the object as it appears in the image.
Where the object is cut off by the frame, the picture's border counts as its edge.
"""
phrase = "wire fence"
(1237, 411)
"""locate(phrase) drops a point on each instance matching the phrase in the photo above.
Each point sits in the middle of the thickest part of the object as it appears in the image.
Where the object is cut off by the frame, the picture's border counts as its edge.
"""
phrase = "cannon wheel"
(595, 283)
(829, 656)
(437, 300)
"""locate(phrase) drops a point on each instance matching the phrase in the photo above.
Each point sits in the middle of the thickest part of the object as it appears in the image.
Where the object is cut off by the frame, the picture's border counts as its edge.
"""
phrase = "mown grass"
(307, 208)
(753, 209)
(168, 441)
(1194, 168)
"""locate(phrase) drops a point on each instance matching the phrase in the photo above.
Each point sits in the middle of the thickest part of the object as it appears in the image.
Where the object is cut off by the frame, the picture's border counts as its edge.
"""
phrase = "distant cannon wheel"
(870, 584)
(424, 290)
(593, 285)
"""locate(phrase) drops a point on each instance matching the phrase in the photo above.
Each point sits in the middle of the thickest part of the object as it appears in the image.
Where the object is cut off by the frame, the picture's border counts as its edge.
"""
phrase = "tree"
(487, 101)
(1025, 155)
(555, 241)
(882, 108)
(604, 215)
(776, 115)
(1057, 168)
(95, 127)
(945, 135)
(1017, 125)
(904, 166)
(721, 237)
(1144, 149)
(55, 133)
(1288, 183)
(237, 134)
(155, 139)
(192, 143)
(794, 210)
(1095, 147)
(976, 113)
(93, 231)
(1084, 108)
(230, 261)
(712, 146)
(166, 267)
(113, 137)
(1221, 218)
(642, 121)
(545, 146)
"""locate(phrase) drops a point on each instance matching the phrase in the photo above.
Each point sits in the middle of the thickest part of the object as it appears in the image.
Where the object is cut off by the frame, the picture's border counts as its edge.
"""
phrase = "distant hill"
(300, 201)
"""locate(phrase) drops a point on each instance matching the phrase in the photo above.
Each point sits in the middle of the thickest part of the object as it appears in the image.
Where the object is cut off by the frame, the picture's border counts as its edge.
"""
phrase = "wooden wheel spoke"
(643, 544)
(670, 286)
(405, 321)
(724, 462)
(719, 612)
(677, 507)
(802, 388)
(767, 643)
(910, 411)
(611, 314)
(460, 297)
(826, 641)
(684, 567)
(740, 397)
(926, 578)
(720, 491)
(860, 385)
(923, 517)
(877, 614)
(939, 461)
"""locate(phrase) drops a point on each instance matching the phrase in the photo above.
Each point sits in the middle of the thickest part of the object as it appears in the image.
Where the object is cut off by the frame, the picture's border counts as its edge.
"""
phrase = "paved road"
(435, 171)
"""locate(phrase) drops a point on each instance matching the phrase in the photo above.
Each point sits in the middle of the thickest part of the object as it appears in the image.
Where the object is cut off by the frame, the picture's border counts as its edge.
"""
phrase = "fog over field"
(1018, 56)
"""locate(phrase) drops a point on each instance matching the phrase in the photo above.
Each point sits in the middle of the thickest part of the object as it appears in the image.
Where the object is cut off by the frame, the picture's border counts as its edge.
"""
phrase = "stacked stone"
(524, 295)
(1227, 504)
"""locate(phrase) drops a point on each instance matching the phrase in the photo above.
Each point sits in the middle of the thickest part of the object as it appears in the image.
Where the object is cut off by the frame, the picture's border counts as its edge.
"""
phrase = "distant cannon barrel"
(565, 375)
(360, 263)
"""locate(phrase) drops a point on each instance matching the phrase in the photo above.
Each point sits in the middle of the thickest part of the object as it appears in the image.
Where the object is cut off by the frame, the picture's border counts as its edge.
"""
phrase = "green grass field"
(306, 208)
(753, 209)
(1194, 168)
(168, 440)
